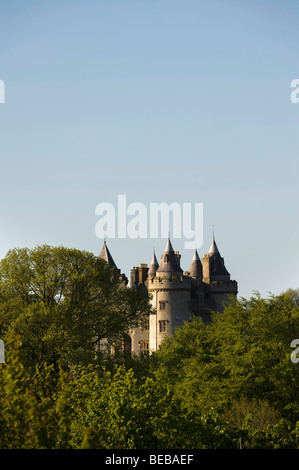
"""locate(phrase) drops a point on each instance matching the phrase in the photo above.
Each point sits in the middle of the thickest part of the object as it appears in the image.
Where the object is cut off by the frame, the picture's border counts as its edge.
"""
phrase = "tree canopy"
(239, 364)
(66, 305)
(244, 351)
(228, 383)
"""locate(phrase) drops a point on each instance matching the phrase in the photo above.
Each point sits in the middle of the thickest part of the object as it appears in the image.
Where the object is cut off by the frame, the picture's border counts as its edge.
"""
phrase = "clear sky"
(160, 100)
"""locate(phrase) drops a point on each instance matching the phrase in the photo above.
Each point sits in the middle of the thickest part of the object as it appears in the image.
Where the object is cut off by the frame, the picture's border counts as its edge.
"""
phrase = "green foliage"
(90, 407)
(67, 305)
(26, 402)
(244, 352)
(226, 384)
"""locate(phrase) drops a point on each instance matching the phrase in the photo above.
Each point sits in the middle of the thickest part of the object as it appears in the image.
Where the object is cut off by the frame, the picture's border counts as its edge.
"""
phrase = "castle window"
(162, 305)
(144, 325)
(143, 346)
(163, 326)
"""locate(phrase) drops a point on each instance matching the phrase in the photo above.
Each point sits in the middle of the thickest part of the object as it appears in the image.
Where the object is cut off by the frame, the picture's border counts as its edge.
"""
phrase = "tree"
(118, 411)
(67, 305)
(35, 411)
(244, 352)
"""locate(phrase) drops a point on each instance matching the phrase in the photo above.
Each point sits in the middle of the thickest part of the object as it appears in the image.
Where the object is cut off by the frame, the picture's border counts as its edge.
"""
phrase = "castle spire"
(106, 256)
(169, 260)
(154, 265)
(213, 248)
(168, 248)
(217, 266)
(195, 269)
(131, 282)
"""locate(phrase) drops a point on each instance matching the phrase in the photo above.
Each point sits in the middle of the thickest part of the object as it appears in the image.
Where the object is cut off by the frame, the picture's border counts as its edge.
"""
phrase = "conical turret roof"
(154, 265)
(168, 248)
(169, 260)
(106, 255)
(131, 282)
(217, 266)
(213, 248)
(195, 269)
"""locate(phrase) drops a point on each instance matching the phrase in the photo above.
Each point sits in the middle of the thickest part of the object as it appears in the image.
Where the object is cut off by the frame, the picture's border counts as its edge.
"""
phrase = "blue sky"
(185, 101)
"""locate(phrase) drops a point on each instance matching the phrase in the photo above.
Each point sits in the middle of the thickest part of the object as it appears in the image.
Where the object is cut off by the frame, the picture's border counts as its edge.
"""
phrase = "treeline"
(226, 384)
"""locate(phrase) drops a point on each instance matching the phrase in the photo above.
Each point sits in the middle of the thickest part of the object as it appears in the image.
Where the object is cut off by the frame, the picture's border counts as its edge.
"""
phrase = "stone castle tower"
(176, 295)
(170, 291)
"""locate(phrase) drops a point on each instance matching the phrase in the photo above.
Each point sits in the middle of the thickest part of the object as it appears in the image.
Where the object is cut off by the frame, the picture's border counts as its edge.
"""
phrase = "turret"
(217, 267)
(195, 270)
(216, 276)
(170, 260)
(131, 282)
(106, 255)
(153, 266)
(170, 294)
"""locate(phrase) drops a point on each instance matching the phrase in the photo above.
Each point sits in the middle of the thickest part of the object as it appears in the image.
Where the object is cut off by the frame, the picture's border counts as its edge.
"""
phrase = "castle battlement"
(169, 283)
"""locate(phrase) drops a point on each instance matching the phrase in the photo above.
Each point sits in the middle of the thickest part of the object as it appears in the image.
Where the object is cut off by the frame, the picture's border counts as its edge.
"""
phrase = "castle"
(176, 295)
